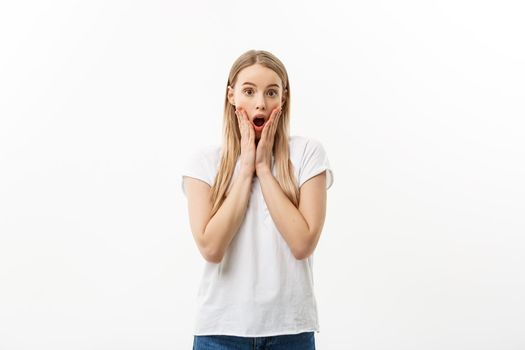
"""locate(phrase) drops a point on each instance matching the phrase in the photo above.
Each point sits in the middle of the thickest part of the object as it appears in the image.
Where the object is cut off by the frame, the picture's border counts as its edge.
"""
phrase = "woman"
(256, 208)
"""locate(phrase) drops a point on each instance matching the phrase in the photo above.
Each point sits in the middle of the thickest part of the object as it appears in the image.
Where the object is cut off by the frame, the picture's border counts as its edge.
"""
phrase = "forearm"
(288, 219)
(223, 226)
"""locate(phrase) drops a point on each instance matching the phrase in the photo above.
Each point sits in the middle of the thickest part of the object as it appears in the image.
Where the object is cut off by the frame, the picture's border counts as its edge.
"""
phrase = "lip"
(259, 128)
(259, 116)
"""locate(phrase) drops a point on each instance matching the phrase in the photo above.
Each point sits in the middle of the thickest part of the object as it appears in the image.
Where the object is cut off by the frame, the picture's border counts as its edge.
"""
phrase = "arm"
(214, 235)
(300, 227)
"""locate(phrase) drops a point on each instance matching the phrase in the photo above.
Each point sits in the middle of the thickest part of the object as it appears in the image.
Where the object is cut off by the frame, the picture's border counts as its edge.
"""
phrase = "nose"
(260, 103)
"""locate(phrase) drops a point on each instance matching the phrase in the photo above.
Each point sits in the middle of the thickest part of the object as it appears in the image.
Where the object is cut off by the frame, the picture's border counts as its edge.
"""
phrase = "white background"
(419, 105)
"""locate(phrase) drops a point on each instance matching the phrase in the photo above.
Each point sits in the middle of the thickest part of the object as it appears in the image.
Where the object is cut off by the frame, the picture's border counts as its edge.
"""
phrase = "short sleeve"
(197, 166)
(313, 162)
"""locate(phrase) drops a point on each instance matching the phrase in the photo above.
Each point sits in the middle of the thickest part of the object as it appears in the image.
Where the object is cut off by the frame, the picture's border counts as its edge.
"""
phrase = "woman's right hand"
(247, 158)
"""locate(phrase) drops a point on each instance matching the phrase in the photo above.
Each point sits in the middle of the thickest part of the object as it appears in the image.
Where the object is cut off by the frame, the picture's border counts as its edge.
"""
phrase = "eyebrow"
(248, 83)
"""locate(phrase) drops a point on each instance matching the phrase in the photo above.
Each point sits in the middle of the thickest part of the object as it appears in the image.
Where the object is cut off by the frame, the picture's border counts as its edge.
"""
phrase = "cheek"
(276, 105)
(241, 102)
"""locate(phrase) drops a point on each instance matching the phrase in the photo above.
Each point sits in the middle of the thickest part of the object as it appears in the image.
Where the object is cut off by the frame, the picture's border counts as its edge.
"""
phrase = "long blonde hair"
(231, 148)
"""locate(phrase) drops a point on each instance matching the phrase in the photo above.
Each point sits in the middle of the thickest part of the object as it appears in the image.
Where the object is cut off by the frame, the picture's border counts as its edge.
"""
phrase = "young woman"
(257, 208)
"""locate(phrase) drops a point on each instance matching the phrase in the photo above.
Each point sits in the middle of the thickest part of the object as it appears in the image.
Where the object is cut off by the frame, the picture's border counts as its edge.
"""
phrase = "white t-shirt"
(259, 288)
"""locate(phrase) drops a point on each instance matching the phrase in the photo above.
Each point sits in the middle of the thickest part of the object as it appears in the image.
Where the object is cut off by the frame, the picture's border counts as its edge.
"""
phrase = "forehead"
(258, 75)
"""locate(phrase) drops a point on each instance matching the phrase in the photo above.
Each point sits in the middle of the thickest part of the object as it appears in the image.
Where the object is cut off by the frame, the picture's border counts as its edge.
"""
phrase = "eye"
(274, 92)
(246, 90)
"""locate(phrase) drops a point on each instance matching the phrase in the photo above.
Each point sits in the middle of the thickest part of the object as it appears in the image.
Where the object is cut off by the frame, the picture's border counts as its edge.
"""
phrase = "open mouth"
(258, 121)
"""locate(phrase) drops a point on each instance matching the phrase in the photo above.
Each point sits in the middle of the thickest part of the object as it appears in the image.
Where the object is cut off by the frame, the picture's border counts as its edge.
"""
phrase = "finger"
(245, 116)
(249, 127)
(242, 115)
(275, 113)
(239, 122)
(266, 130)
(271, 132)
(252, 135)
(277, 116)
(273, 120)
(276, 123)
(238, 114)
(277, 119)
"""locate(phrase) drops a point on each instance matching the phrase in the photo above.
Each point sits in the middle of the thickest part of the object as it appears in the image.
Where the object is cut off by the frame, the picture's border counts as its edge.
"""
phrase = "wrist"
(246, 173)
(263, 170)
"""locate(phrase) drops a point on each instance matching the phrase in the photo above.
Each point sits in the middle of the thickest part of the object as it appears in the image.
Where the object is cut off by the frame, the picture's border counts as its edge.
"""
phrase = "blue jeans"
(300, 341)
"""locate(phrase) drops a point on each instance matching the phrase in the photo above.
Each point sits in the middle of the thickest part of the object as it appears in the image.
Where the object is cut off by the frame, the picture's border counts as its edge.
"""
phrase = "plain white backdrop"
(419, 105)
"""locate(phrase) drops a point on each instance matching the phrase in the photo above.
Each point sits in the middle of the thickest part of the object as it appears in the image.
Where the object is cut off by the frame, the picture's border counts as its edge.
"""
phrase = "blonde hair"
(231, 148)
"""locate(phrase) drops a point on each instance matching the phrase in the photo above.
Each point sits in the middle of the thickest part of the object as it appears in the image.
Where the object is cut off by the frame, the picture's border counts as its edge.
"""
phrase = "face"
(258, 90)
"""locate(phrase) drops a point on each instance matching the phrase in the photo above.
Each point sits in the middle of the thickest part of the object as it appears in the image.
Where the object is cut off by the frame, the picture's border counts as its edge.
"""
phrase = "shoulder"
(202, 162)
(302, 139)
(310, 157)
(301, 145)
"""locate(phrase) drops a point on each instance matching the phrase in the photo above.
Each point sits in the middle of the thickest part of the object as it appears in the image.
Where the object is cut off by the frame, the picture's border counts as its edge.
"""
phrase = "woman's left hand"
(263, 156)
